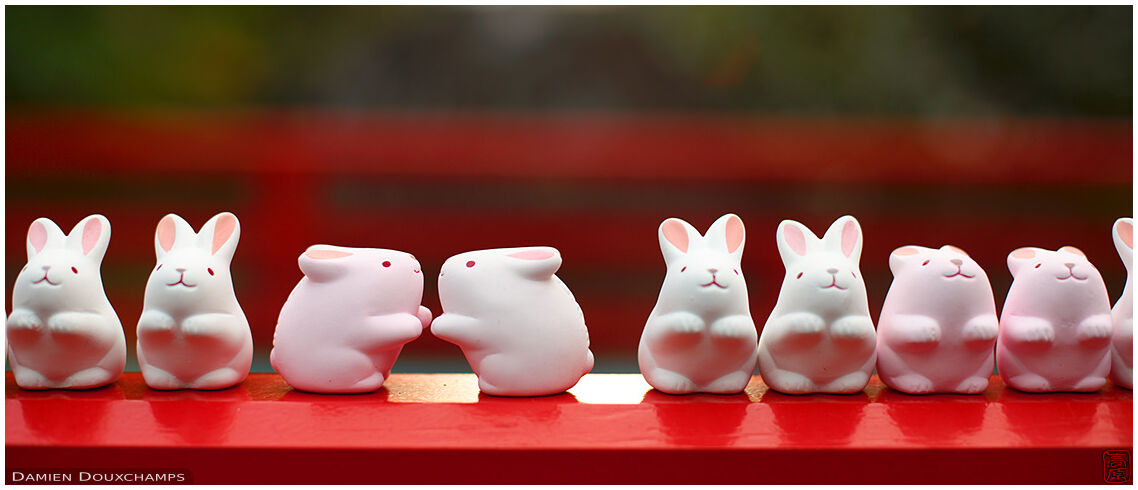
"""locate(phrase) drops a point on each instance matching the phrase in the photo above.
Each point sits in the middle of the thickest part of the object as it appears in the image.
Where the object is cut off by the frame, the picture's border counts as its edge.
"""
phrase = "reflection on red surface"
(196, 417)
(699, 419)
(52, 421)
(816, 420)
(930, 419)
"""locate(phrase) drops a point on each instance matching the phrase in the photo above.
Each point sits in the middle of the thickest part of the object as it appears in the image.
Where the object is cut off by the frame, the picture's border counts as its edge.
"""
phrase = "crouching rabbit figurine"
(819, 338)
(700, 336)
(518, 325)
(345, 323)
(63, 332)
(192, 332)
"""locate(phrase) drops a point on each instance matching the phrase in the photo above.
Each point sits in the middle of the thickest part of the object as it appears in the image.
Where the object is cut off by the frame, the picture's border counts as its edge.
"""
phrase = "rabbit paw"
(66, 323)
(855, 327)
(981, 329)
(735, 326)
(1039, 333)
(1098, 327)
(804, 323)
(24, 320)
(912, 383)
(683, 322)
(973, 385)
(155, 320)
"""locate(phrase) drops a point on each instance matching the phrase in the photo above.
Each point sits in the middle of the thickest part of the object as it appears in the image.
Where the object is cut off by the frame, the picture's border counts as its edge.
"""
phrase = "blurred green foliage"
(918, 61)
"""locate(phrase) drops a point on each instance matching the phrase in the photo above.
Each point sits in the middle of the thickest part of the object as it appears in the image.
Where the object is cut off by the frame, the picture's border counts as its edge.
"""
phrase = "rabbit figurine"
(1055, 328)
(518, 325)
(1122, 343)
(938, 326)
(63, 332)
(192, 332)
(343, 326)
(700, 336)
(819, 338)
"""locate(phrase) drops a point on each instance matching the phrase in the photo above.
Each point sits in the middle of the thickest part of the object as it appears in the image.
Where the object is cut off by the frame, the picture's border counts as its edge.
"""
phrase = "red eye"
(74, 270)
(159, 267)
(470, 263)
(1037, 265)
(387, 263)
(736, 271)
(799, 276)
(925, 263)
(853, 274)
(684, 268)
(210, 271)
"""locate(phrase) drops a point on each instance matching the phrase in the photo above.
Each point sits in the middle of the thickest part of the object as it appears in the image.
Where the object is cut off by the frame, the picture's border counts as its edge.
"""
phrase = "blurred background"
(440, 130)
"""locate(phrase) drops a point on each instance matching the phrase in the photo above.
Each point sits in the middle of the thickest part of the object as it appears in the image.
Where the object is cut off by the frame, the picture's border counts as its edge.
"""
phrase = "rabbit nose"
(1069, 264)
(712, 270)
(832, 270)
(181, 269)
(957, 261)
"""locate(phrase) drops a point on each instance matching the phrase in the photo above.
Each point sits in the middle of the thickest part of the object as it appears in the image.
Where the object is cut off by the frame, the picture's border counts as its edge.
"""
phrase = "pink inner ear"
(1023, 253)
(794, 238)
(735, 234)
(534, 254)
(223, 230)
(957, 250)
(849, 238)
(91, 233)
(675, 234)
(167, 231)
(1126, 233)
(1073, 250)
(906, 251)
(324, 254)
(37, 236)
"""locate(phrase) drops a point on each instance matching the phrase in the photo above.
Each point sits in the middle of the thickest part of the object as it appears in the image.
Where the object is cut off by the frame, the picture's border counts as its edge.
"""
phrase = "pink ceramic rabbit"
(938, 326)
(1055, 328)
(63, 332)
(345, 323)
(700, 336)
(517, 323)
(819, 338)
(1122, 344)
(192, 332)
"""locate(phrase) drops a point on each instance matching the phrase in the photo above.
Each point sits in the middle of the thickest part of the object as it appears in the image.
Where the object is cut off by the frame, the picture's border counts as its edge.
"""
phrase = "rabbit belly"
(189, 357)
(946, 367)
(825, 361)
(331, 370)
(1064, 364)
(56, 357)
(701, 360)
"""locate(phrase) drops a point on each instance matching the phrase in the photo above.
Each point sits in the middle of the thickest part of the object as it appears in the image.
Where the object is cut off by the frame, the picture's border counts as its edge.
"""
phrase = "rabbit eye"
(159, 267)
(799, 276)
(1039, 264)
(854, 274)
(470, 263)
(387, 263)
(736, 271)
(924, 263)
(684, 268)
(74, 270)
(209, 270)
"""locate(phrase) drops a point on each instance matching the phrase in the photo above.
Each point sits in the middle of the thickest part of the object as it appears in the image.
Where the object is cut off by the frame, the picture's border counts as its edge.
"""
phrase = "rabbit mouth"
(45, 279)
(180, 281)
(1071, 274)
(960, 272)
(834, 284)
(713, 283)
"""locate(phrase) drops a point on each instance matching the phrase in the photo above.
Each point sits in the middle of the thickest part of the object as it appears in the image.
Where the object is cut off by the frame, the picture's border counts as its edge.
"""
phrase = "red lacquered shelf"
(610, 428)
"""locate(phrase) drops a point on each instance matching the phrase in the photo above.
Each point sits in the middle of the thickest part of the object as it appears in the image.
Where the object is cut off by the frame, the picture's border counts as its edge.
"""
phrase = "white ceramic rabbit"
(819, 338)
(1122, 344)
(938, 326)
(700, 336)
(345, 323)
(518, 325)
(63, 332)
(1055, 327)
(192, 332)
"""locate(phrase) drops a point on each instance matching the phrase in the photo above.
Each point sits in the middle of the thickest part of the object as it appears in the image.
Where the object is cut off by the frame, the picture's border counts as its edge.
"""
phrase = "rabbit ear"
(172, 231)
(219, 235)
(844, 236)
(1022, 257)
(322, 263)
(43, 234)
(537, 263)
(955, 249)
(1072, 250)
(905, 257)
(727, 233)
(1124, 239)
(91, 237)
(676, 238)
(794, 240)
